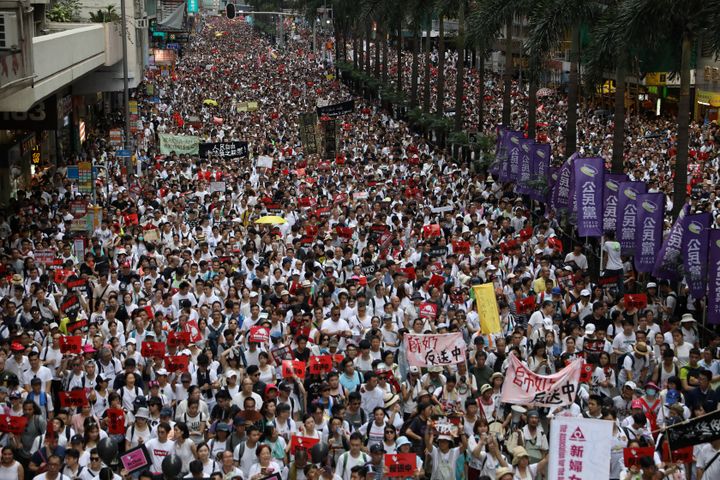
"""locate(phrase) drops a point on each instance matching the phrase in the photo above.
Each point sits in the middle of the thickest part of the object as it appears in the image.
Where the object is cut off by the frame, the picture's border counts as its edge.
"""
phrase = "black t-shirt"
(418, 426)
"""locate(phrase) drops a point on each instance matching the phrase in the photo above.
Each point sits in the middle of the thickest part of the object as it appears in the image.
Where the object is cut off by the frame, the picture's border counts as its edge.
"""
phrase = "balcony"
(71, 51)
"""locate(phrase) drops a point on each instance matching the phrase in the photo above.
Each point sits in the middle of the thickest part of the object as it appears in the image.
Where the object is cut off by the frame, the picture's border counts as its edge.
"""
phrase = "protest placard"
(152, 349)
(524, 387)
(70, 344)
(579, 448)
(431, 350)
(293, 367)
(696, 431)
(400, 464)
(12, 424)
(177, 363)
(115, 421)
(303, 443)
(135, 459)
(74, 399)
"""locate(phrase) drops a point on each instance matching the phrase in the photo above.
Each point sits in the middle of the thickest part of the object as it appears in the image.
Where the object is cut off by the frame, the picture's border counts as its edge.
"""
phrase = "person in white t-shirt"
(160, 447)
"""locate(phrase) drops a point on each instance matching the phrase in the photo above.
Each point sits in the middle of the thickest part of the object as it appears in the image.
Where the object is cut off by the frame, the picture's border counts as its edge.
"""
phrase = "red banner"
(71, 327)
(344, 232)
(436, 281)
(303, 443)
(177, 363)
(460, 247)
(637, 300)
(681, 455)
(525, 306)
(296, 367)
(70, 344)
(586, 373)
(14, 425)
(400, 464)
(152, 349)
(74, 399)
(115, 421)
(428, 310)
(632, 455)
(430, 231)
(259, 334)
(320, 364)
(175, 338)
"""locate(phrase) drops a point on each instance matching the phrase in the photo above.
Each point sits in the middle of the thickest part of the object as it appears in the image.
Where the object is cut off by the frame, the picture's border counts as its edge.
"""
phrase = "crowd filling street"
(250, 349)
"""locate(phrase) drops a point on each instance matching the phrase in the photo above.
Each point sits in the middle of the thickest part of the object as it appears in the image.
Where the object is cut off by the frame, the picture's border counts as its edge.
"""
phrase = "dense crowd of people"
(178, 264)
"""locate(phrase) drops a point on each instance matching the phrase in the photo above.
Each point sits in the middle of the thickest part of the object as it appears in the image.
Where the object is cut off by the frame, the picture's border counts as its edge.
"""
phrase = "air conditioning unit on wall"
(9, 36)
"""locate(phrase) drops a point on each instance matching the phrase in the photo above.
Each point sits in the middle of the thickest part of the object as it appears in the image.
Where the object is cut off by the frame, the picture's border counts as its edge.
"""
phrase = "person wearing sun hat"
(635, 365)
(522, 468)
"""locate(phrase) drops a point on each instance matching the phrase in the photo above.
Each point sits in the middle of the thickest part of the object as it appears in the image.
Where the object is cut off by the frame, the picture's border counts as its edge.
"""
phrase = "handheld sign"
(74, 399)
(293, 367)
(177, 363)
(400, 464)
(70, 344)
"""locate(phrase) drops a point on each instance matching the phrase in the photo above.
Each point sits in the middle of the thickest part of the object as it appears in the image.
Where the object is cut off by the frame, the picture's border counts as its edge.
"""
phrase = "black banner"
(696, 431)
(438, 251)
(337, 109)
(368, 270)
(329, 131)
(224, 149)
(308, 133)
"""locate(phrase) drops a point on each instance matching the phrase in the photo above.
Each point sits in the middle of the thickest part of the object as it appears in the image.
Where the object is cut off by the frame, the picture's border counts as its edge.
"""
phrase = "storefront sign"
(41, 116)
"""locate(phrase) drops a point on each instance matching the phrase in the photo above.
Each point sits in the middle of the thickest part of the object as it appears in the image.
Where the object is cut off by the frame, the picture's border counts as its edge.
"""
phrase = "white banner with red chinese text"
(579, 448)
(524, 387)
(435, 350)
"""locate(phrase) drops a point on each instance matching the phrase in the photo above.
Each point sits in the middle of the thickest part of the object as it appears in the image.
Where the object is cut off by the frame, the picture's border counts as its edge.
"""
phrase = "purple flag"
(562, 187)
(540, 164)
(513, 158)
(627, 215)
(588, 195)
(552, 178)
(695, 247)
(649, 228)
(524, 168)
(713, 301)
(500, 151)
(611, 188)
(669, 258)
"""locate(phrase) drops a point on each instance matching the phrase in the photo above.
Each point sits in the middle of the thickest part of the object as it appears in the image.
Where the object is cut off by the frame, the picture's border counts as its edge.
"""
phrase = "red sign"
(72, 344)
(632, 455)
(525, 306)
(430, 231)
(586, 373)
(175, 338)
(152, 349)
(177, 363)
(681, 455)
(14, 425)
(77, 283)
(428, 310)
(637, 300)
(344, 232)
(293, 367)
(461, 247)
(436, 281)
(116, 421)
(259, 334)
(303, 443)
(74, 399)
(320, 364)
(400, 464)
(71, 327)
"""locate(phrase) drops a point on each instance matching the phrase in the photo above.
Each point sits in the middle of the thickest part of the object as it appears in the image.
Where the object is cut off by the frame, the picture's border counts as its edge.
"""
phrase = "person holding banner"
(444, 455)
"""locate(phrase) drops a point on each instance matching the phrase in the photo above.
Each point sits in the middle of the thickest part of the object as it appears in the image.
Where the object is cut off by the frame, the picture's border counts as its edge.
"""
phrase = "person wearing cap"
(623, 402)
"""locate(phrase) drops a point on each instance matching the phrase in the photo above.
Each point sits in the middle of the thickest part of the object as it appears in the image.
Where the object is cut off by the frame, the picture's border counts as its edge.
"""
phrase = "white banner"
(434, 350)
(524, 387)
(579, 448)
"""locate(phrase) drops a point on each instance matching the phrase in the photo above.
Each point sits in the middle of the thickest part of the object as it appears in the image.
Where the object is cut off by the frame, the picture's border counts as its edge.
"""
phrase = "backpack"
(344, 458)
(621, 360)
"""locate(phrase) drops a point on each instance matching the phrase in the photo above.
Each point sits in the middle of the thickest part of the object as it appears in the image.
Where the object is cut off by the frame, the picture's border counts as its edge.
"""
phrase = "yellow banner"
(487, 308)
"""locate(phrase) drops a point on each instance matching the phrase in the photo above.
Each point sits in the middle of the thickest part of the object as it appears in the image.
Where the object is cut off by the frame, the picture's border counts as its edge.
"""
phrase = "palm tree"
(440, 98)
(648, 23)
(551, 23)
(484, 25)
(460, 47)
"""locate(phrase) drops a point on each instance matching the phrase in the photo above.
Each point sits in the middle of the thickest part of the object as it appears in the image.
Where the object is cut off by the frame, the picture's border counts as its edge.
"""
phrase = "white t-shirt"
(707, 452)
(612, 250)
(158, 451)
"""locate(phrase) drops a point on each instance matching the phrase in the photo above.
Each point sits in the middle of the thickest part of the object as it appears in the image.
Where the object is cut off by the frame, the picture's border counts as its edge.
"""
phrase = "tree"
(649, 23)
(552, 22)
(460, 47)
(484, 26)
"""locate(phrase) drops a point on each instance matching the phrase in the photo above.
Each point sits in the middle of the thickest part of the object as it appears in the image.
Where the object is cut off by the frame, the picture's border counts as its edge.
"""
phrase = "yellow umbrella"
(209, 101)
(271, 220)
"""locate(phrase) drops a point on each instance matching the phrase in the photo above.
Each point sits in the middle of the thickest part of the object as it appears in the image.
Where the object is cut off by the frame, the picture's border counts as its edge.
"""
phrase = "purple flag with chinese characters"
(524, 167)
(695, 247)
(588, 196)
(713, 301)
(561, 192)
(648, 230)
(540, 165)
(627, 215)
(669, 258)
(611, 188)
(513, 156)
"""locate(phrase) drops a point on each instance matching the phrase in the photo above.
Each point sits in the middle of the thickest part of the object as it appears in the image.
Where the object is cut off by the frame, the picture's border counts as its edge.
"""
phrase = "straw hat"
(518, 453)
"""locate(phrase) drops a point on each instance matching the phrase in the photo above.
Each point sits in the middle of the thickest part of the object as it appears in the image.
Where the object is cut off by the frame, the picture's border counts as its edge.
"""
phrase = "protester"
(235, 345)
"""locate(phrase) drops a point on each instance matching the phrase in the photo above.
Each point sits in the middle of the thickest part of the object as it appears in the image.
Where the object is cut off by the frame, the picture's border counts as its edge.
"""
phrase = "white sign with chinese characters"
(579, 448)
